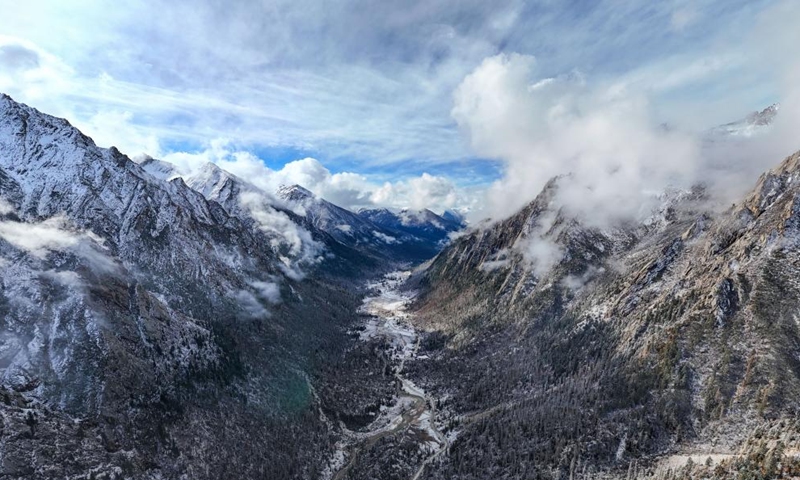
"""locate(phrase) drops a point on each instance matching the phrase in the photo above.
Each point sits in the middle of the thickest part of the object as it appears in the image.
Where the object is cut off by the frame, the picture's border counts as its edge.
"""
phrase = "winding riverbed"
(413, 408)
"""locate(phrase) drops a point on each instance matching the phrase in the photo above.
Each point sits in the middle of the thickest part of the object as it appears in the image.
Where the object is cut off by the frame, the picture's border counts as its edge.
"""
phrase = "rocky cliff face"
(618, 345)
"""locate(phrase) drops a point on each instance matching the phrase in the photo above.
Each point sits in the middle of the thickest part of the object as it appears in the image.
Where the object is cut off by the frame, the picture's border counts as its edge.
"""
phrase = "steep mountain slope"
(148, 332)
(342, 224)
(590, 350)
(259, 209)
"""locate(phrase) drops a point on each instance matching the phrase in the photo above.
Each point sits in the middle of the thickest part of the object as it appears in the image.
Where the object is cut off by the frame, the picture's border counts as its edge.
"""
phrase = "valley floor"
(411, 418)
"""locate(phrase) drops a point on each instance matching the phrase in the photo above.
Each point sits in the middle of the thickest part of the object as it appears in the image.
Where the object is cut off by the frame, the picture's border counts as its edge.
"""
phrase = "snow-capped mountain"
(753, 124)
(419, 223)
(297, 194)
(339, 222)
(409, 235)
(157, 325)
(420, 239)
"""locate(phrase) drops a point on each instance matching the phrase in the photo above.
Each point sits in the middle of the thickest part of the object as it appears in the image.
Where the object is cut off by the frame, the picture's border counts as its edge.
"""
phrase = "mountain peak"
(752, 124)
(294, 193)
(766, 116)
(158, 168)
(376, 210)
(454, 217)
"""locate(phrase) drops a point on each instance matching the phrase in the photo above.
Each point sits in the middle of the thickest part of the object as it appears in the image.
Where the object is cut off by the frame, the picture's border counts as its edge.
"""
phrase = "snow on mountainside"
(295, 193)
(753, 124)
(136, 315)
(50, 168)
(158, 168)
(678, 333)
(419, 223)
(341, 223)
(378, 237)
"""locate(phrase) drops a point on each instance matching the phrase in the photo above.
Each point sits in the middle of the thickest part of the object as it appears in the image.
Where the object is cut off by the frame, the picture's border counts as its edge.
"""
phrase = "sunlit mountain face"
(448, 240)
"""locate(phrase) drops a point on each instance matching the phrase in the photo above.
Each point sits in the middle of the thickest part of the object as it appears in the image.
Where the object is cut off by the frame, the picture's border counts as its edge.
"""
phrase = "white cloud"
(367, 82)
(602, 137)
(30, 72)
(288, 239)
(542, 254)
(66, 278)
(5, 207)
(55, 235)
(347, 189)
(388, 239)
(119, 128)
(250, 304)
(39, 239)
(576, 282)
(616, 154)
(731, 167)
(537, 247)
(370, 81)
(269, 291)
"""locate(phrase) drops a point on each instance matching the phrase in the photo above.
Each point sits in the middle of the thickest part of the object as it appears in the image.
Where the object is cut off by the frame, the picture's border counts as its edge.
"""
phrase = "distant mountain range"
(406, 235)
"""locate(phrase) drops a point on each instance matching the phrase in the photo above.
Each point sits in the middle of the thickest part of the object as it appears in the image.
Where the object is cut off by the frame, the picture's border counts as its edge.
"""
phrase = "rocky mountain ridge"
(666, 335)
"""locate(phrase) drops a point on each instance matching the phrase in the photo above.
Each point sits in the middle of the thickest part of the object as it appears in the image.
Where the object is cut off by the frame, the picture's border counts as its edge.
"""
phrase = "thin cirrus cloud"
(363, 83)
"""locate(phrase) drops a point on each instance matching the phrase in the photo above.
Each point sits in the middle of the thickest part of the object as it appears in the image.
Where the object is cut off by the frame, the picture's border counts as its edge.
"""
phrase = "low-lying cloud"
(617, 156)
(608, 133)
(39, 239)
(269, 291)
(293, 244)
(252, 302)
(605, 138)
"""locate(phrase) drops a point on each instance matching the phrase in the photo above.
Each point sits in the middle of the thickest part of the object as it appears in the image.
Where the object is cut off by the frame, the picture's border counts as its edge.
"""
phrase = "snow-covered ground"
(412, 408)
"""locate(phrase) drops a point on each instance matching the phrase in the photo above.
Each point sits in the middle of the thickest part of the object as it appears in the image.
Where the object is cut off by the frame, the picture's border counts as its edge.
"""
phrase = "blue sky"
(367, 87)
